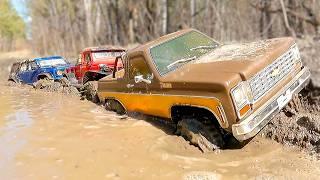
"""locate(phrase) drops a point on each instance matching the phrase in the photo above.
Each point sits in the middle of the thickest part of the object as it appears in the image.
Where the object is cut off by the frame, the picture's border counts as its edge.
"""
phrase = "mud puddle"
(49, 136)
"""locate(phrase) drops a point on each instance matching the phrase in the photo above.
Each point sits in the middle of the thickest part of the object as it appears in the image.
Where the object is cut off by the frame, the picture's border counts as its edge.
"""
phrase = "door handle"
(130, 85)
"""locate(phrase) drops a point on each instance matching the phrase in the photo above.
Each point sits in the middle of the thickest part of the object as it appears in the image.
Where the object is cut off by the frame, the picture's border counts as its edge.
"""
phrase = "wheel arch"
(115, 99)
(11, 79)
(43, 75)
(220, 121)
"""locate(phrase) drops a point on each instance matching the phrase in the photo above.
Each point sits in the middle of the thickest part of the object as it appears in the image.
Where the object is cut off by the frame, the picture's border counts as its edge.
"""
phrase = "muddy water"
(50, 136)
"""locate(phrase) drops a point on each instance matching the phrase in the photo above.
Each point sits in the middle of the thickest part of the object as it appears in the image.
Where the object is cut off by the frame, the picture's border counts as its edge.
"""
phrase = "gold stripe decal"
(160, 104)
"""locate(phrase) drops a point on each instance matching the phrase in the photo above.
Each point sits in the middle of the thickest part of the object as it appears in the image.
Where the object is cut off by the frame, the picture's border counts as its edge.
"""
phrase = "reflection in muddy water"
(50, 136)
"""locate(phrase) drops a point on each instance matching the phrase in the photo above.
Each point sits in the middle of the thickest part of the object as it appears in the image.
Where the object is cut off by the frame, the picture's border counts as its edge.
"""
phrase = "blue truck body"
(30, 71)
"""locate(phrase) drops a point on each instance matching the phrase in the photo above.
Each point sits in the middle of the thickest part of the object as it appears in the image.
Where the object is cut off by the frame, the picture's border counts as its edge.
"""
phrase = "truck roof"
(48, 58)
(103, 48)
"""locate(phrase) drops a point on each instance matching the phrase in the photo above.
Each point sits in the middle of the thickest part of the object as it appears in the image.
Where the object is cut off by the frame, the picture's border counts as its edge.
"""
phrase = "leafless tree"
(67, 26)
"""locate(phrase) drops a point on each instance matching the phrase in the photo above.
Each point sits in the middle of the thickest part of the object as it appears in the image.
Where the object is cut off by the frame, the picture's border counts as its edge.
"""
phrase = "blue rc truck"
(33, 71)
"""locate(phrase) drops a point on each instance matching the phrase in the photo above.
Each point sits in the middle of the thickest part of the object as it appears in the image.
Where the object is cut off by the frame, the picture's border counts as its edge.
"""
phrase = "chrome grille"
(269, 76)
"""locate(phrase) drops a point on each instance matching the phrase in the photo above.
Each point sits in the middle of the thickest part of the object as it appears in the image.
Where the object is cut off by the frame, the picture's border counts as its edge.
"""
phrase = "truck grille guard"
(264, 80)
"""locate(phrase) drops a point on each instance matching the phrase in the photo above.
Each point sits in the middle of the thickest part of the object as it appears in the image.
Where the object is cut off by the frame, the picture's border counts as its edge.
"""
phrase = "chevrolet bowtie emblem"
(275, 72)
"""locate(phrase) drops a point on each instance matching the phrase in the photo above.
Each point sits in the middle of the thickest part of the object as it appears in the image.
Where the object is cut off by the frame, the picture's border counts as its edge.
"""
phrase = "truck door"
(23, 73)
(140, 92)
(32, 71)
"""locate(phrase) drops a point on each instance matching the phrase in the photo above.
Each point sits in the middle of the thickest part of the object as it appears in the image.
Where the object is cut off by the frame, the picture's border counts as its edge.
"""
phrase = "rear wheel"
(113, 105)
(203, 134)
(11, 83)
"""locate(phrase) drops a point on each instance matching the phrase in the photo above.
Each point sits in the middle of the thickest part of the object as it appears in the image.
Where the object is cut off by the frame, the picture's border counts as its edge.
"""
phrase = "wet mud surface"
(48, 133)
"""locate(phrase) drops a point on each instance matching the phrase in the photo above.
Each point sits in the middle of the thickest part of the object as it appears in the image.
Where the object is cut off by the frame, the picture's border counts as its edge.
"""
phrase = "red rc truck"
(95, 63)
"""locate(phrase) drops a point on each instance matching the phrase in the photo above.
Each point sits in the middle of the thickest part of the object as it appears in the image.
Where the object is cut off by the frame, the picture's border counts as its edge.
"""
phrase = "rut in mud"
(298, 124)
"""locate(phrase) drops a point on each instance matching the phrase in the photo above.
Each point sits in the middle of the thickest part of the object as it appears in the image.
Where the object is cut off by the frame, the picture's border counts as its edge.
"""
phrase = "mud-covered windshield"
(52, 62)
(105, 54)
(185, 48)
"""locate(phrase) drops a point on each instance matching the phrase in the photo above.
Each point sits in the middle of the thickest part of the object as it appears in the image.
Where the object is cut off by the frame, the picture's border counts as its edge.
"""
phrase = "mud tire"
(71, 90)
(113, 105)
(42, 83)
(11, 83)
(65, 82)
(90, 90)
(204, 135)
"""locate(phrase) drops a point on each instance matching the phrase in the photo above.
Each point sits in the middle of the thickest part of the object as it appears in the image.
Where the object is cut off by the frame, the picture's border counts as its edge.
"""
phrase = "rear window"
(105, 54)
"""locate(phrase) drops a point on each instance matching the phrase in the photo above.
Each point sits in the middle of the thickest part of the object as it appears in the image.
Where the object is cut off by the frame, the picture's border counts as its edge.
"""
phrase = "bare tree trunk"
(285, 17)
(164, 6)
(98, 21)
(88, 13)
(193, 12)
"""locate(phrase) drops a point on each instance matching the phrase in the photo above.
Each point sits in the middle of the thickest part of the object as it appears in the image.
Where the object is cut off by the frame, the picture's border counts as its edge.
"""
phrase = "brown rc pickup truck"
(208, 89)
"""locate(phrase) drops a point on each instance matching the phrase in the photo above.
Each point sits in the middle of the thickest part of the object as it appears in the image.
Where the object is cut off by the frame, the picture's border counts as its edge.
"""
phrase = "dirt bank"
(298, 124)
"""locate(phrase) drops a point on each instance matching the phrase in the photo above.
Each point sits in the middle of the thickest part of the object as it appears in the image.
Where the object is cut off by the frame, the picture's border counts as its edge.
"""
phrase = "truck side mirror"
(139, 79)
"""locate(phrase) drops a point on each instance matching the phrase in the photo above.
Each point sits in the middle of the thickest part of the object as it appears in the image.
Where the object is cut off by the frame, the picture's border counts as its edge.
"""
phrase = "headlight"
(242, 96)
(59, 72)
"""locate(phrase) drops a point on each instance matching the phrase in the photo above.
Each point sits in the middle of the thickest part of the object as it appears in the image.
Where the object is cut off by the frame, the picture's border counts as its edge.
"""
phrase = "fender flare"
(222, 120)
(45, 74)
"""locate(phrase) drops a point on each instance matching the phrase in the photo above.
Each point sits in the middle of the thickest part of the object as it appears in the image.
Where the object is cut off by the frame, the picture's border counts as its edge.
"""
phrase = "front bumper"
(250, 126)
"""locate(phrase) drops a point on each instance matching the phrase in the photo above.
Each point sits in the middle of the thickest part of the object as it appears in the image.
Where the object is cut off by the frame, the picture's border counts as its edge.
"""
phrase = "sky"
(21, 8)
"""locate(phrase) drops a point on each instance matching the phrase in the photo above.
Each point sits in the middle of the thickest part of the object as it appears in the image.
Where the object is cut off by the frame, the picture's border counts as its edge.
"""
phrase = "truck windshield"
(105, 54)
(183, 49)
(52, 62)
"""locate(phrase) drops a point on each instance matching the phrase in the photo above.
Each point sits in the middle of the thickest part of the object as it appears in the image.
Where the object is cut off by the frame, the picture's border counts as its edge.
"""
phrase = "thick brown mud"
(299, 123)
(46, 135)
(49, 135)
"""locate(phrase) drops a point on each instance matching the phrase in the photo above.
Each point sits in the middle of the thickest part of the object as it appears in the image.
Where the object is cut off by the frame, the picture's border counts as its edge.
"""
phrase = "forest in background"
(12, 27)
(66, 26)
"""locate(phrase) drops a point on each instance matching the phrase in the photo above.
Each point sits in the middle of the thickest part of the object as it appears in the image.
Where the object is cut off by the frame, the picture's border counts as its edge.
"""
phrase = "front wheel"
(205, 135)
(42, 83)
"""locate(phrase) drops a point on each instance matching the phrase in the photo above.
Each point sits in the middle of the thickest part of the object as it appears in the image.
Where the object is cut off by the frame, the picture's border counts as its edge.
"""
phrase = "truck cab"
(208, 89)
(94, 63)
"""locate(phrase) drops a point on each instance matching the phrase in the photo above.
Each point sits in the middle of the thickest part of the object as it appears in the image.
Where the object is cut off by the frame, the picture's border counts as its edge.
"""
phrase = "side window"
(33, 65)
(137, 67)
(23, 67)
(87, 58)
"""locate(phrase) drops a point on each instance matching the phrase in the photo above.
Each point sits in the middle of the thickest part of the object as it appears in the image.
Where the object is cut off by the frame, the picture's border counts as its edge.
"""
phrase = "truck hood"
(227, 65)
